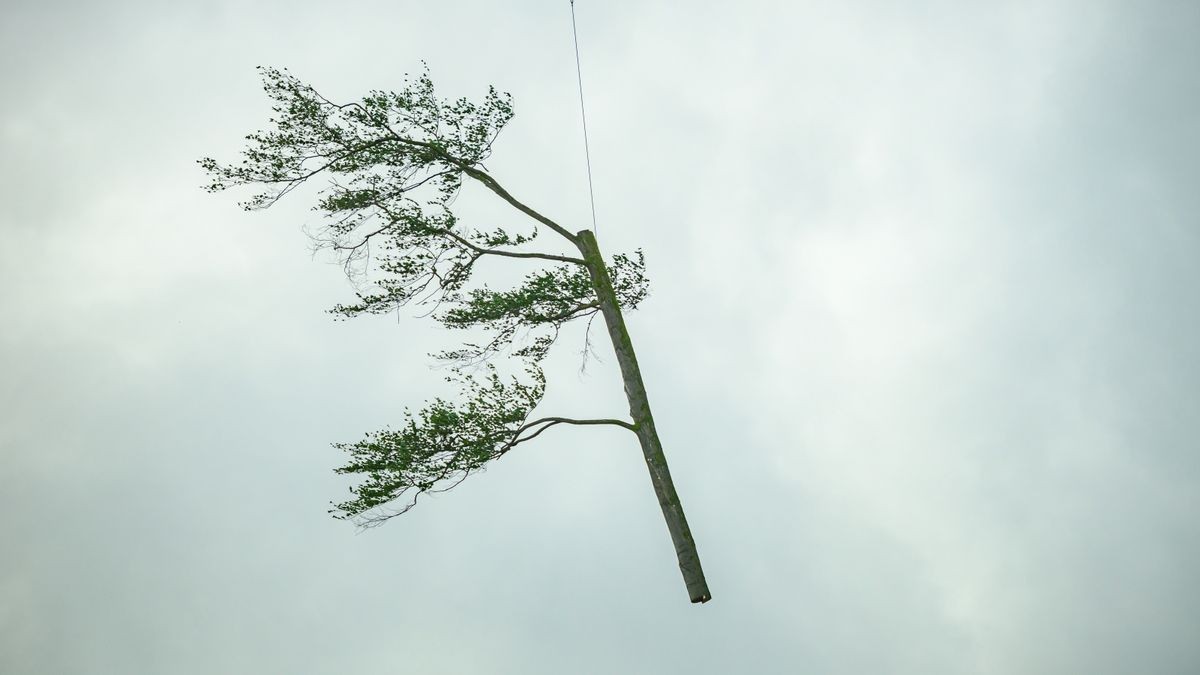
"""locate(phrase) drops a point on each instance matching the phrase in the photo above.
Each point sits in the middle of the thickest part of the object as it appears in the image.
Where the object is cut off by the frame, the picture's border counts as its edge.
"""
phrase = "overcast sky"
(923, 344)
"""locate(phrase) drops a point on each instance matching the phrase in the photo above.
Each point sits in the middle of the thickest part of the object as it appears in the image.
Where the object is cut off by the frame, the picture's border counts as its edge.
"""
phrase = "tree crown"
(394, 163)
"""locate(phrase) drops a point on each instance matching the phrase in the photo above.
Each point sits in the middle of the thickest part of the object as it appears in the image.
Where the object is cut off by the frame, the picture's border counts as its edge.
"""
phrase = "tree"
(394, 162)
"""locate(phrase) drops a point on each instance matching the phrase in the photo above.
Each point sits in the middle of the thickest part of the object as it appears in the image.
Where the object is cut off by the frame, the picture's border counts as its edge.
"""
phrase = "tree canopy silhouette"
(392, 164)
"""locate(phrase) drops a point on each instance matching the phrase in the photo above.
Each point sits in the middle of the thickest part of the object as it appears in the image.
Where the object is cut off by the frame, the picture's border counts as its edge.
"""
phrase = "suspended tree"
(392, 164)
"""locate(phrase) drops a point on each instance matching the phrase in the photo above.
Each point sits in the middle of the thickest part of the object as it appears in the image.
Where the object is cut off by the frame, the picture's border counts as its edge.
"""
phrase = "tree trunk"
(639, 410)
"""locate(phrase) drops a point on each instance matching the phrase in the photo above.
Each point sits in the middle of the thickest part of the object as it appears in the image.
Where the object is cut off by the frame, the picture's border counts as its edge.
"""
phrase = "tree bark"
(639, 410)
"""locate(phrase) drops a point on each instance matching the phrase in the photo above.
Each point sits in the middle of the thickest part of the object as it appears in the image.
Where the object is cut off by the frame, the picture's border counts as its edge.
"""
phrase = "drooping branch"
(437, 448)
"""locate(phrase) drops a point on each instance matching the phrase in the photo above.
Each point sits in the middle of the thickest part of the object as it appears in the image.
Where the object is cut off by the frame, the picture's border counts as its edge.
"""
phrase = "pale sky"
(922, 343)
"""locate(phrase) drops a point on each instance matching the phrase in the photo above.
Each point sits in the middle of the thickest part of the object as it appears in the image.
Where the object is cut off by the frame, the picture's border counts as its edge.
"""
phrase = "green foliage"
(437, 448)
(546, 300)
(383, 144)
(379, 154)
(394, 162)
(629, 279)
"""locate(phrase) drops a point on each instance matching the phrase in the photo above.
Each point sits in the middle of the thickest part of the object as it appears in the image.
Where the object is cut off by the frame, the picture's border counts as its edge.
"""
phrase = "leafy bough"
(393, 163)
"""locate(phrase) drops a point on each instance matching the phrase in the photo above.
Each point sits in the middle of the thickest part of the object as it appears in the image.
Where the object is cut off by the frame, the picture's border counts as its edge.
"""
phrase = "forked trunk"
(639, 410)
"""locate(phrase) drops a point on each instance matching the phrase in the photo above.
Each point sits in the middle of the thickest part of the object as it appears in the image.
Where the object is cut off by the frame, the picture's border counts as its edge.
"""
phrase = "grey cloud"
(921, 342)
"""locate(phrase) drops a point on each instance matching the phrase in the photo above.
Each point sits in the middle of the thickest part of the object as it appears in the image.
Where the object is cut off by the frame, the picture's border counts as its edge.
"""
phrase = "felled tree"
(393, 163)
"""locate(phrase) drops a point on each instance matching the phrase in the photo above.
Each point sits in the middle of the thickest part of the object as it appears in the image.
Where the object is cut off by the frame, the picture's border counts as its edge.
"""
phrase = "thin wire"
(587, 153)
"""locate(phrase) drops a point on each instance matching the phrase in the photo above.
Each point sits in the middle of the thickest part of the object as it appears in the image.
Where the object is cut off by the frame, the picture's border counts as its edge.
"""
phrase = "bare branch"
(551, 421)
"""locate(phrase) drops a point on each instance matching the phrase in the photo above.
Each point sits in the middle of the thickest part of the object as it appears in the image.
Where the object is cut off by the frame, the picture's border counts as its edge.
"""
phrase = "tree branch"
(460, 239)
(512, 254)
(551, 421)
(568, 420)
(570, 314)
(491, 184)
(488, 182)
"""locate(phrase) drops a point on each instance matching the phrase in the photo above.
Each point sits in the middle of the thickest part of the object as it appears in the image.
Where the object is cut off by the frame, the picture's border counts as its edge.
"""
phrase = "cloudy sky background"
(923, 344)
